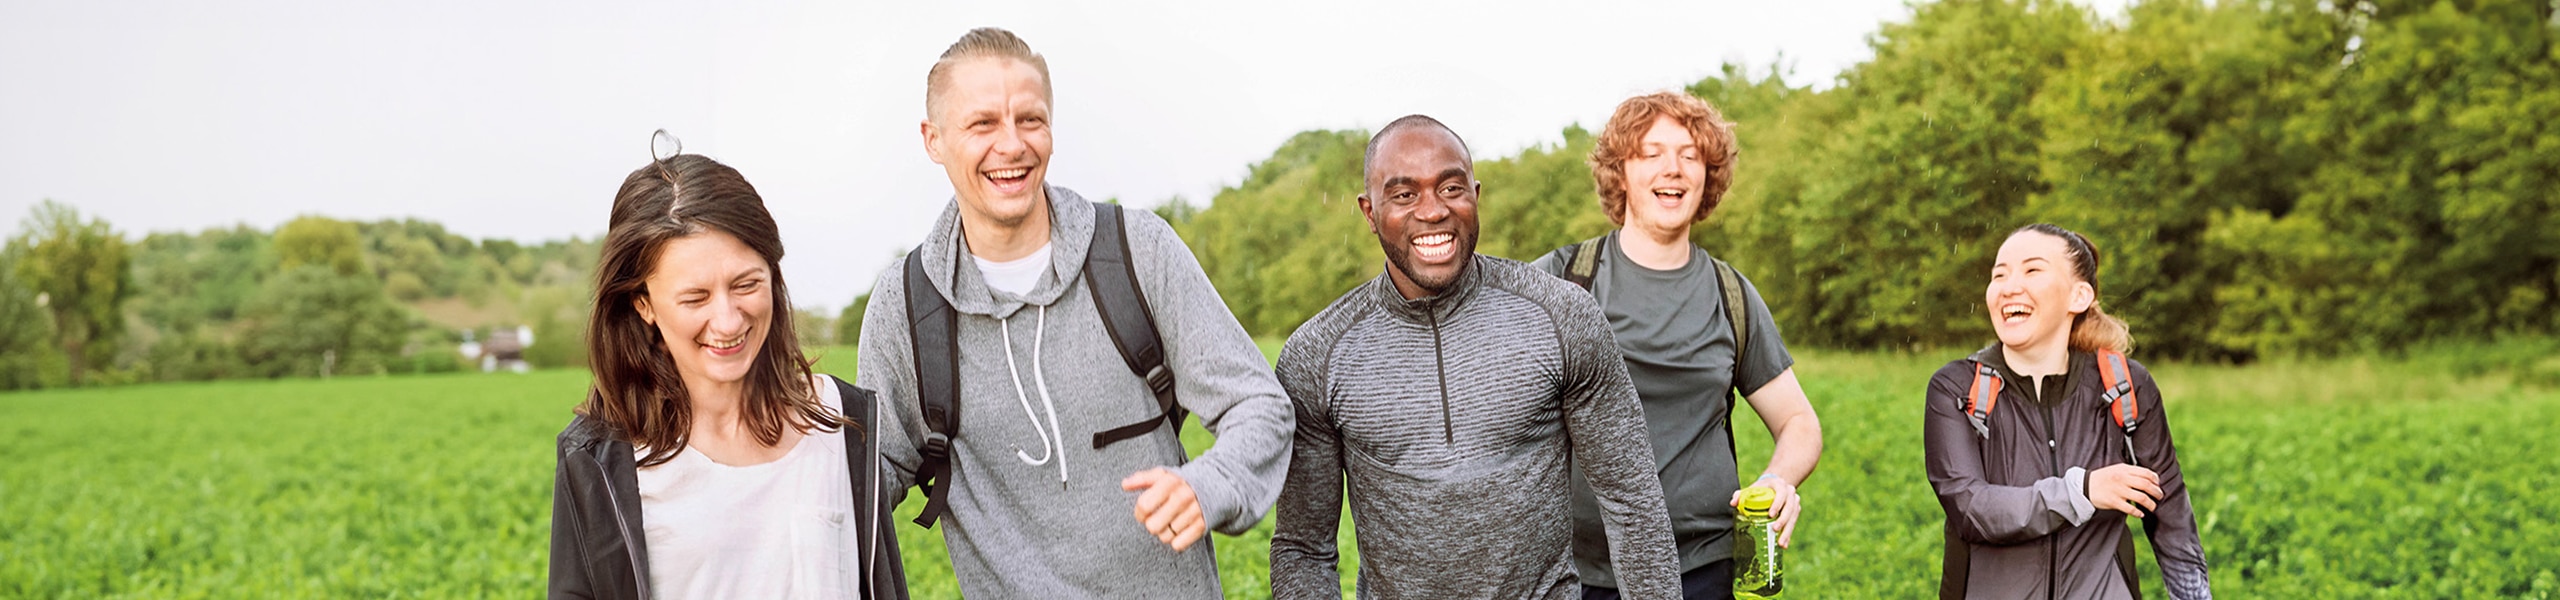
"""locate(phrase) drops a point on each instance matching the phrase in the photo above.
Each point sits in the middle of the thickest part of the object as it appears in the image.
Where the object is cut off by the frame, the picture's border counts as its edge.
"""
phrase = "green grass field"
(2345, 479)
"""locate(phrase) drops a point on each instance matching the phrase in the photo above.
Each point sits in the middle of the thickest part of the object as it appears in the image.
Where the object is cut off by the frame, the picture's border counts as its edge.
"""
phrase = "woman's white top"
(774, 530)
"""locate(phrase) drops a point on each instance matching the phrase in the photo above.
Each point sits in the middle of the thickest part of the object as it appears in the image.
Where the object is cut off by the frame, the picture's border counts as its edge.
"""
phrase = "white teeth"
(724, 346)
(1434, 239)
(1672, 192)
(1008, 173)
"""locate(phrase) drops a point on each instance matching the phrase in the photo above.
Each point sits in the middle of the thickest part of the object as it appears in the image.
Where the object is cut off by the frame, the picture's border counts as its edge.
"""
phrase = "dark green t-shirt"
(1672, 330)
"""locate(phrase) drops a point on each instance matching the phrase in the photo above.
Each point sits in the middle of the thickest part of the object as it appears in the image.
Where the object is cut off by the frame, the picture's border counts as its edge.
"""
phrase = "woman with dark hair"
(2040, 445)
(1695, 334)
(707, 461)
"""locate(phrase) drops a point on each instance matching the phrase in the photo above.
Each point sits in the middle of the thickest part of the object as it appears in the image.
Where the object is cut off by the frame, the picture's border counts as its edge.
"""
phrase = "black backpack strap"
(2124, 560)
(1582, 261)
(1111, 276)
(1956, 565)
(872, 510)
(933, 330)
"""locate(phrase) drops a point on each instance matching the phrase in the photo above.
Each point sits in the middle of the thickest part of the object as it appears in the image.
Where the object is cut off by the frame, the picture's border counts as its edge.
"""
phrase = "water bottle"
(1757, 566)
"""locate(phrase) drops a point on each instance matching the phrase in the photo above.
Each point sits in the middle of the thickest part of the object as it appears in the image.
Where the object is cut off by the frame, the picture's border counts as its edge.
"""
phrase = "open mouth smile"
(1009, 180)
(1435, 247)
(727, 347)
(2013, 313)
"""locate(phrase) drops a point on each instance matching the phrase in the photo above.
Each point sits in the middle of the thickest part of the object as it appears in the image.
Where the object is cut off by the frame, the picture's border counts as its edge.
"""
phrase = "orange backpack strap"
(2117, 375)
(1982, 396)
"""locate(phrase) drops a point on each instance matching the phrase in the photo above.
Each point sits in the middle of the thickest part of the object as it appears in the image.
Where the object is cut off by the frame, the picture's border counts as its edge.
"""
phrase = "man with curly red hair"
(1694, 334)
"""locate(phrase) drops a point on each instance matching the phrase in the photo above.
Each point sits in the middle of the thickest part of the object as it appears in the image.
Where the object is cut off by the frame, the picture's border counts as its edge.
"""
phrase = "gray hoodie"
(1035, 510)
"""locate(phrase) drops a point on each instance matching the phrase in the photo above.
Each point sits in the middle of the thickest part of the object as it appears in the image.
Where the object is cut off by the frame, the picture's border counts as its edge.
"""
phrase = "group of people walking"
(1496, 429)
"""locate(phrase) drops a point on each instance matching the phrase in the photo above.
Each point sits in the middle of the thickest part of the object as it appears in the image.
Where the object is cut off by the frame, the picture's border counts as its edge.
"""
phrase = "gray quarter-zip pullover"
(1455, 422)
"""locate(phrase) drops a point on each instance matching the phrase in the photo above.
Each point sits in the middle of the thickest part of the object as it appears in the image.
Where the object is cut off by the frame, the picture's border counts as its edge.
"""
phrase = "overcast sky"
(519, 119)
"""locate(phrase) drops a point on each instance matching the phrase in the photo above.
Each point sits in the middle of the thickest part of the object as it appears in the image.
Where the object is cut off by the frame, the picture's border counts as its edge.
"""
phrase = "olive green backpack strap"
(1736, 314)
(1735, 311)
(1582, 261)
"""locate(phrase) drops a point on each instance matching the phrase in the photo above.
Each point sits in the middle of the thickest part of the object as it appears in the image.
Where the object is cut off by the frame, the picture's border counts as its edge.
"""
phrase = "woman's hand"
(2124, 488)
(1782, 509)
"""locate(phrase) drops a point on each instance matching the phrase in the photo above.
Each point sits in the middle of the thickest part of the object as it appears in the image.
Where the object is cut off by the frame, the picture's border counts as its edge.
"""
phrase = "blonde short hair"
(983, 42)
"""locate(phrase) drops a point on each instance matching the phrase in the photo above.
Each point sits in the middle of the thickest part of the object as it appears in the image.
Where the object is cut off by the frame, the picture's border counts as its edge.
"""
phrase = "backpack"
(1983, 395)
(933, 339)
(1582, 263)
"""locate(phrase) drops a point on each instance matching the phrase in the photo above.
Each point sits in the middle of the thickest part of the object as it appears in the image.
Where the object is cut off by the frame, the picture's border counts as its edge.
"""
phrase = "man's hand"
(1167, 507)
(1782, 510)
(2124, 488)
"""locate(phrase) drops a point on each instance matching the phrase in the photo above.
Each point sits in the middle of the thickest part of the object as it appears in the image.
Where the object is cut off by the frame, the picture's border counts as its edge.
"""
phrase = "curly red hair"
(1624, 136)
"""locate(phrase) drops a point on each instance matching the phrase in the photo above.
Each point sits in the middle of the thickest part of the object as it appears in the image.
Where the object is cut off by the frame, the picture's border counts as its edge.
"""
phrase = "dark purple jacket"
(2019, 521)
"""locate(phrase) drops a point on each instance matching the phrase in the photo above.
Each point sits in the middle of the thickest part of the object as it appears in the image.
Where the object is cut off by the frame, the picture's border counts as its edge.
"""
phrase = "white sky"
(519, 119)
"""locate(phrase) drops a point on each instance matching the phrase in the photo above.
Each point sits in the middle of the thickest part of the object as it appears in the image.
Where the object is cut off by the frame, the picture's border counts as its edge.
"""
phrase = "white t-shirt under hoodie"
(773, 530)
(1015, 276)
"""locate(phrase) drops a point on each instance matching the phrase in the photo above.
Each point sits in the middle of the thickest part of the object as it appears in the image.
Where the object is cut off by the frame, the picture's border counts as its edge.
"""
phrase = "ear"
(1479, 193)
(932, 140)
(2083, 296)
(648, 315)
(1372, 218)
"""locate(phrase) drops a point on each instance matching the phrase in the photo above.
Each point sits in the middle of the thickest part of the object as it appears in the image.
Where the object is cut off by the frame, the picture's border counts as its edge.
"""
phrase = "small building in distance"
(504, 350)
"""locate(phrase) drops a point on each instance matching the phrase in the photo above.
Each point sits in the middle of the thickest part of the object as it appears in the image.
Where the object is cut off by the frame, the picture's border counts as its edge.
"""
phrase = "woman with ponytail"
(2040, 446)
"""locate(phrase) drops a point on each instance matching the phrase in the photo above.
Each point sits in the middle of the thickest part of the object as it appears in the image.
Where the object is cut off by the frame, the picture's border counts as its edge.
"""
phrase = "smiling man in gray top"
(1033, 509)
(1453, 396)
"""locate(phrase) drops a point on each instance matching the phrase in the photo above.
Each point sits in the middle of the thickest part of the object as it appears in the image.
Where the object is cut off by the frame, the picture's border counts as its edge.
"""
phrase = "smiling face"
(1421, 203)
(990, 133)
(2034, 294)
(1665, 180)
(711, 300)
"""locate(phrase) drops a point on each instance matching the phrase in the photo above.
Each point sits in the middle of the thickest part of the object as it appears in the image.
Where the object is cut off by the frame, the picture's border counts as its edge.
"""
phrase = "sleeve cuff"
(2077, 481)
(1218, 507)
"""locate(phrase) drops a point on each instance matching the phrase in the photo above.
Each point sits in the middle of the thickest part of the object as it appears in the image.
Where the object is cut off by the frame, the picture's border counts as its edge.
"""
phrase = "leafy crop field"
(2347, 479)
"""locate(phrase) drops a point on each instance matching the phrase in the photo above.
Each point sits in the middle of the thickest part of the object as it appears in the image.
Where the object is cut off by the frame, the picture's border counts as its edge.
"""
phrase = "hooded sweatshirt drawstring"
(1052, 444)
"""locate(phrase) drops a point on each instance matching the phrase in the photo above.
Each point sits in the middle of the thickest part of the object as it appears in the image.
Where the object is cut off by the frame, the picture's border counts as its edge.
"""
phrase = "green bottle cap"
(1757, 498)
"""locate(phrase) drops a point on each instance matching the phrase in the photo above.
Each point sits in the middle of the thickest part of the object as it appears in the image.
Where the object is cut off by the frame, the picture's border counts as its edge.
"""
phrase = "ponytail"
(2092, 330)
(2096, 330)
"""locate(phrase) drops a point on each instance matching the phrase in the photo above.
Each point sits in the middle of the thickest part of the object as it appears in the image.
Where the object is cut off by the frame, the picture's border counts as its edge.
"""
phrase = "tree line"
(81, 304)
(2272, 177)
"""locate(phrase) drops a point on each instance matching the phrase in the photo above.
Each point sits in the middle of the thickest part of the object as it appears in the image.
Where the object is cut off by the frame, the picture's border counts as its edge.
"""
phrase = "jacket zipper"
(1440, 365)
(622, 528)
(2053, 460)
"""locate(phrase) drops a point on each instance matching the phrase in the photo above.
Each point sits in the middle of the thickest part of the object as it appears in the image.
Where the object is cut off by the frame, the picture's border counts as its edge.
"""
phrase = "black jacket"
(598, 550)
(2019, 522)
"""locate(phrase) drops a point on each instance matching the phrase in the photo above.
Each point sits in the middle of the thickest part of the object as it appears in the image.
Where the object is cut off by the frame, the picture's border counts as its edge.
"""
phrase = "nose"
(1009, 140)
(2007, 287)
(728, 317)
(1431, 209)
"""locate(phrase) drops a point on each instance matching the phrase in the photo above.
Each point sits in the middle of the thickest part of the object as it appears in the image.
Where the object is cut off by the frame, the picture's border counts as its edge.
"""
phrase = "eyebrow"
(1451, 173)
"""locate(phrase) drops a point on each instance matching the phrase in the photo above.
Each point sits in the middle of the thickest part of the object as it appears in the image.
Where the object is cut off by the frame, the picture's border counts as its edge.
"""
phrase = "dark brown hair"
(2092, 329)
(637, 389)
(1624, 137)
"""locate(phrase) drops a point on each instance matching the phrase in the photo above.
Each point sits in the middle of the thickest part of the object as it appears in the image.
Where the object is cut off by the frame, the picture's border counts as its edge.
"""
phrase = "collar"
(1435, 308)
(960, 282)
(2078, 363)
